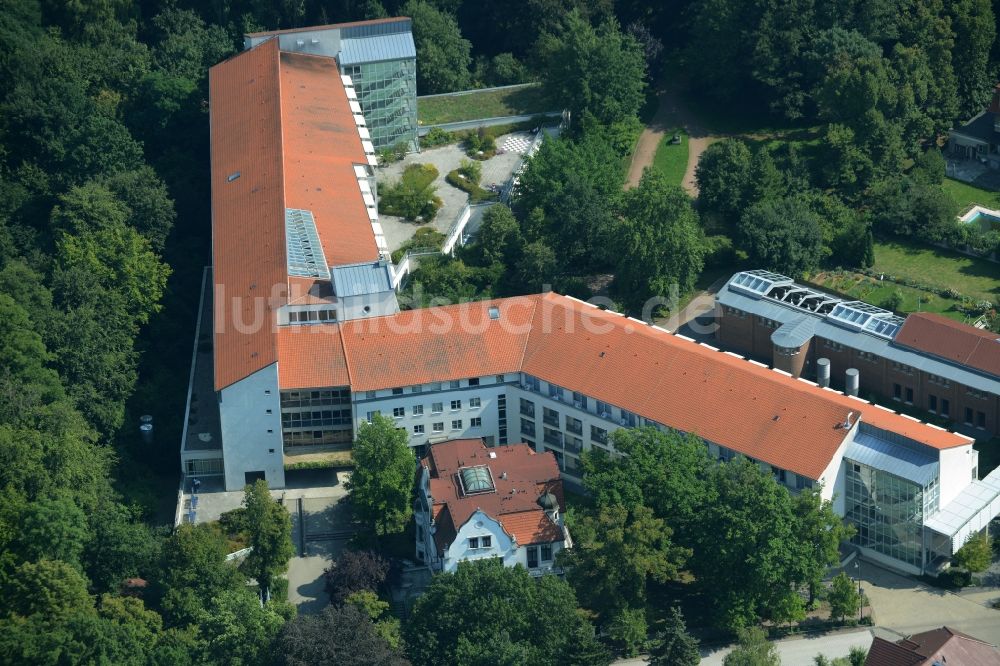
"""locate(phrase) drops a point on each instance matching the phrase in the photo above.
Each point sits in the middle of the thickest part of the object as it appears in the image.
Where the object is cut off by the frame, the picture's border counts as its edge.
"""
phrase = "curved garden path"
(669, 114)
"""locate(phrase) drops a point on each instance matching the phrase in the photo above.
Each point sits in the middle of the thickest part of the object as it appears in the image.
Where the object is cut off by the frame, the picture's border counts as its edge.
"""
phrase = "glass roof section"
(758, 282)
(476, 480)
(861, 316)
(305, 252)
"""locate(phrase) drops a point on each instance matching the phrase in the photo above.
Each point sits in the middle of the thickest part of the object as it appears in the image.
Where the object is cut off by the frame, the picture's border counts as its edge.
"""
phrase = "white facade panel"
(250, 421)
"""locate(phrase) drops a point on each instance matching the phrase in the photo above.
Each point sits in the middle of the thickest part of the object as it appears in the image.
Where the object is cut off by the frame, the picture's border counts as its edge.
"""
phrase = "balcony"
(551, 419)
(573, 447)
(553, 438)
(528, 410)
(574, 426)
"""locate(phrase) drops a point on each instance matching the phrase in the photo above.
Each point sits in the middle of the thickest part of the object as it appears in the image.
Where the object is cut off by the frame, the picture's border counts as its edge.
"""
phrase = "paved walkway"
(445, 159)
(797, 651)
(670, 114)
(907, 606)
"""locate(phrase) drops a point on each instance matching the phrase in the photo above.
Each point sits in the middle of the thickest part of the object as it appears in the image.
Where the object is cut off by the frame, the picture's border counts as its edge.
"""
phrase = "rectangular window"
(485, 542)
(532, 557)
(932, 403)
(599, 435)
(398, 412)
(397, 391)
(546, 552)
(499, 379)
(555, 391)
(474, 381)
(968, 415)
(437, 408)
(868, 356)
(416, 389)
(945, 407)
(418, 410)
(371, 415)
(628, 419)
(370, 395)
(474, 402)
(531, 383)
(981, 419)
(550, 416)
(456, 424)
(456, 405)
(902, 367)
(909, 395)
(834, 346)
(579, 400)
(473, 543)
(603, 410)
(527, 408)
(418, 429)
(574, 425)
(897, 392)
(476, 422)
(438, 427)
(455, 383)
(527, 427)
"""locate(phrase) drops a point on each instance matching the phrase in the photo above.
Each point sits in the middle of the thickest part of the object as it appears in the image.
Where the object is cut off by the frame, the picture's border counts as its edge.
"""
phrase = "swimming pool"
(984, 217)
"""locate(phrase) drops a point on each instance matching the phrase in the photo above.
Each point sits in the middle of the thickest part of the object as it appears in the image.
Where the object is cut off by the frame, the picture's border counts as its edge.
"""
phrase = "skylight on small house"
(476, 480)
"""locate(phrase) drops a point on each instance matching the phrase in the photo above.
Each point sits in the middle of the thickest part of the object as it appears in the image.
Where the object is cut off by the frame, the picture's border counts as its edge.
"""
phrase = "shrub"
(354, 571)
(438, 137)
(893, 301)
(719, 251)
(481, 144)
(414, 195)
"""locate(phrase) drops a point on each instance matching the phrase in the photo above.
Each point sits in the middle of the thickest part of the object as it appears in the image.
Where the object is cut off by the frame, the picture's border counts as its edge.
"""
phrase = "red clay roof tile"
(282, 122)
(952, 341)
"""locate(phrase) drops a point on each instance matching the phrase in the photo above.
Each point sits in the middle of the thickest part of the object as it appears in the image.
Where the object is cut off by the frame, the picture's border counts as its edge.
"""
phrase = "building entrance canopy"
(970, 512)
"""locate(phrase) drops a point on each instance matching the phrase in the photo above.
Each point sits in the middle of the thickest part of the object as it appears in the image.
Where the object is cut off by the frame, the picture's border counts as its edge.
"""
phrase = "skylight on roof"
(494, 312)
(476, 480)
(303, 247)
(758, 282)
(861, 316)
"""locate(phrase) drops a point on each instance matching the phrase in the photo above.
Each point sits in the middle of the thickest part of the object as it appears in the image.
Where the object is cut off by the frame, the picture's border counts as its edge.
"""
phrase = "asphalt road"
(794, 651)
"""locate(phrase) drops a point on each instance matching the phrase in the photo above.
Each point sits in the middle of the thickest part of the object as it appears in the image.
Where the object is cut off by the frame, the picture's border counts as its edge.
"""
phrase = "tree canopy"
(381, 485)
(526, 620)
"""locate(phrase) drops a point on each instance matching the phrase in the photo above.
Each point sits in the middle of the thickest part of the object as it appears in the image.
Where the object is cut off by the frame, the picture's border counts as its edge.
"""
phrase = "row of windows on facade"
(579, 400)
(436, 408)
(456, 424)
(938, 405)
(433, 386)
(312, 316)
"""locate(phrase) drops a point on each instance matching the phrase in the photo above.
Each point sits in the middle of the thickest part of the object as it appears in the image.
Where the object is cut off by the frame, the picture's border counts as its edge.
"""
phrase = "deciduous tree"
(270, 542)
(538, 619)
(843, 597)
(381, 485)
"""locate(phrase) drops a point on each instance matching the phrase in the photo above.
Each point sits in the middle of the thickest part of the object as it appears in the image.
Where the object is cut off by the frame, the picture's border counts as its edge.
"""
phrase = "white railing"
(457, 227)
(238, 554)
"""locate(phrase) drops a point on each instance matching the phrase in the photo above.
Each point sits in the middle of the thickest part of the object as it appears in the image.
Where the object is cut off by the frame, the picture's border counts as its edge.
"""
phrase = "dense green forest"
(104, 228)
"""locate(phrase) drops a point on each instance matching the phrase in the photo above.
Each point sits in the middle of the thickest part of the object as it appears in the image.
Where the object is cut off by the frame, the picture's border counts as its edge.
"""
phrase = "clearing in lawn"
(671, 158)
(480, 104)
(974, 278)
(966, 195)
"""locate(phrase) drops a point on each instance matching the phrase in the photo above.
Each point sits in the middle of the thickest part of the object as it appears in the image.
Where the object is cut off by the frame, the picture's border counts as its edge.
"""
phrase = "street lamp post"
(861, 594)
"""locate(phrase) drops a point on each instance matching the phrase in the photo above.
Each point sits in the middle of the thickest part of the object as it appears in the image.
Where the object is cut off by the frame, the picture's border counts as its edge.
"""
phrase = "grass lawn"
(671, 159)
(976, 278)
(476, 105)
(871, 290)
(965, 195)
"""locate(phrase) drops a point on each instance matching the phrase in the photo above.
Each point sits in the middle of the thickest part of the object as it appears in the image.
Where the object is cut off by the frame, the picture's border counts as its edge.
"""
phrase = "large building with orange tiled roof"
(308, 343)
